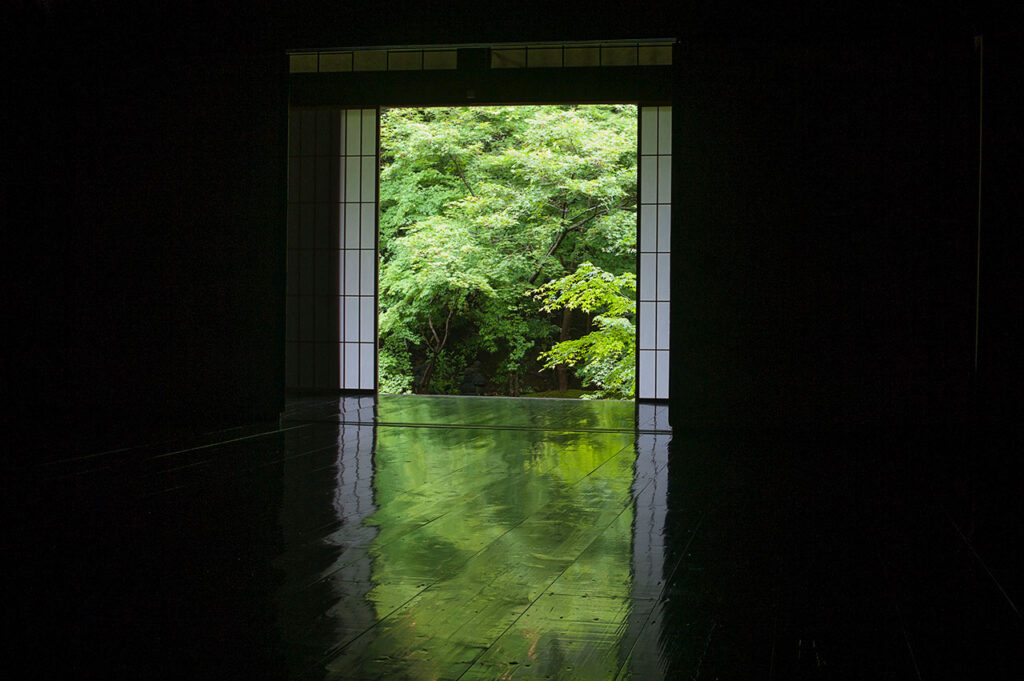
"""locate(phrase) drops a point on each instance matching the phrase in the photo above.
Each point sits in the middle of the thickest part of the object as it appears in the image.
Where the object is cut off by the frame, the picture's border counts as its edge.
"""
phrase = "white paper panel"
(645, 381)
(648, 179)
(351, 319)
(366, 366)
(366, 272)
(351, 225)
(351, 365)
(351, 273)
(655, 244)
(369, 132)
(366, 231)
(647, 325)
(665, 228)
(368, 181)
(366, 330)
(663, 326)
(665, 130)
(664, 179)
(648, 276)
(352, 179)
(664, 276)
(648, 228)
(353, 132)
(661, 389)
(648, 130)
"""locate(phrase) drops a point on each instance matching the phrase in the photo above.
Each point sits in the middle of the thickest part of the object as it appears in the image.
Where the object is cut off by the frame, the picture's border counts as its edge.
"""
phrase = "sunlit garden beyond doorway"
(508, 240)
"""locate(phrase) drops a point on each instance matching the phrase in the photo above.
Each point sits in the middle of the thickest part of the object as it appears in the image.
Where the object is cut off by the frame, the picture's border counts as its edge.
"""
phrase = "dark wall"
(149, 233)
(826, 270)
(825, 273)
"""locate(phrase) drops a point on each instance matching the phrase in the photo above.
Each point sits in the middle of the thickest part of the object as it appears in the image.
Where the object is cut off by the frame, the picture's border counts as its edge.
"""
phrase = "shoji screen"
(332, 206)
(358, 253)
(654, 265)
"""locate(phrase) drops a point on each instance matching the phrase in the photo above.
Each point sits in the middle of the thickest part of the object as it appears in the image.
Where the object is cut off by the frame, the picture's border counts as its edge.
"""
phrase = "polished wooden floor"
(489, 538)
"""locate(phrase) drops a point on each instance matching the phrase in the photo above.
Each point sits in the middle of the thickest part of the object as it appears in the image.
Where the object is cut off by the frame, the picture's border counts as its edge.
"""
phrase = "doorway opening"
(507, 252)
(333, 298)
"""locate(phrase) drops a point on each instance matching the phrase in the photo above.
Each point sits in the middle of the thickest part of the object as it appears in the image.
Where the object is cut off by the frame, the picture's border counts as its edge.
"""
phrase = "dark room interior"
(838, 496)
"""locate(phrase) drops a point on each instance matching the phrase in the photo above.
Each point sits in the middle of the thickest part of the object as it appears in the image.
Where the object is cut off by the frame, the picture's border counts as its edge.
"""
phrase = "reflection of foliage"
(395, 367)
(450, 517)
(608, 353)
(480, 205)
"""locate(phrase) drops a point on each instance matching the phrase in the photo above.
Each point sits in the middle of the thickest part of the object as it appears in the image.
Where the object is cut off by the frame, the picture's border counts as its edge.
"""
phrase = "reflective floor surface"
(522, 540)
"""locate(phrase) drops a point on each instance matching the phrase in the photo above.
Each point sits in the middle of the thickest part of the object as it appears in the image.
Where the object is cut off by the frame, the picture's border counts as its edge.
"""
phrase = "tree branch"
(561, 235)
(437, 341)
(458, 169)
(447, 321)
(439, 344)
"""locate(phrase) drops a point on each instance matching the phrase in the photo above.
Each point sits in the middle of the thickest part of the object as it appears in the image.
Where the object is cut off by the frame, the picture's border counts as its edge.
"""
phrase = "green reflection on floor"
(499, 553)
(507, 412)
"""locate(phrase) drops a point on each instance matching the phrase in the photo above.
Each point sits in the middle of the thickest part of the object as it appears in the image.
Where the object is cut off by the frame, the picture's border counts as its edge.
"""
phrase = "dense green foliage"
(508, 247)
(606, 354)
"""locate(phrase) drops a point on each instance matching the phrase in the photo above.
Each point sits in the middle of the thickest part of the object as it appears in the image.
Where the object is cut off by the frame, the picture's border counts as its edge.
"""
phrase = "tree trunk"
(513, 384)
(561, 370)
(427, 371)
(436, 347)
